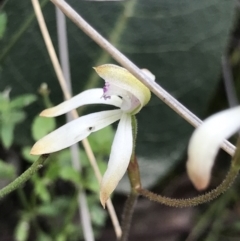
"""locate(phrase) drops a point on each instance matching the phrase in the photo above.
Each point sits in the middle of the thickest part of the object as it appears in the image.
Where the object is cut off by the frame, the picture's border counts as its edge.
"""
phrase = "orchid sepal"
(206, 142)
(119, 158)
(75, 131)
(87, 97)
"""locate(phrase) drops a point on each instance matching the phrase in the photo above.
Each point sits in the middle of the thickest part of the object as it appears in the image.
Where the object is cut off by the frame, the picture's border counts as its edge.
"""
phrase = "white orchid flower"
(122, 90)
(205, 144)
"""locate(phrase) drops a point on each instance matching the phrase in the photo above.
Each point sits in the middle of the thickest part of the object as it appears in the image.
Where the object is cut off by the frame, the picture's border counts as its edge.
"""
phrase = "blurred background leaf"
(7, 171)
(3, 23)
(181, 42)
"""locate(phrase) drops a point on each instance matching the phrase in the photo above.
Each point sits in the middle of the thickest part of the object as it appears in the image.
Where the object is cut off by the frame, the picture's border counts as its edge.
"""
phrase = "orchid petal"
(75, 131)
(205, 143)
(123, 79)
(92, 96)
(119, 158)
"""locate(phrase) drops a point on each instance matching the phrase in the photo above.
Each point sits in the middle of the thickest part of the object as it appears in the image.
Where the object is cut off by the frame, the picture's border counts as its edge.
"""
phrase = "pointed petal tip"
(46, 113)
(107, 187)
(105, 192)
(35, 151)
(198, 176)
(199, 183)
(39, 148)
(103, 200)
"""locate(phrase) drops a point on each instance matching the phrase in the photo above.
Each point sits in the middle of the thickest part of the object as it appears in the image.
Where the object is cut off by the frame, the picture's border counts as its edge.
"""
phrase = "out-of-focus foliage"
(11, 114)
(7, 171)
(180, 42)
(58, 210)
(3, 23)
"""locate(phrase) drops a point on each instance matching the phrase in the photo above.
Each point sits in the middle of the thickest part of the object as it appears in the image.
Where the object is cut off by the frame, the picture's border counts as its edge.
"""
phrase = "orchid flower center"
(129, 101)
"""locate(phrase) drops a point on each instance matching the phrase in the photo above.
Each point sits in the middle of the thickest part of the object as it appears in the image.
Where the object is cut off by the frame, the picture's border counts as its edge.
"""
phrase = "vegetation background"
(182, 43)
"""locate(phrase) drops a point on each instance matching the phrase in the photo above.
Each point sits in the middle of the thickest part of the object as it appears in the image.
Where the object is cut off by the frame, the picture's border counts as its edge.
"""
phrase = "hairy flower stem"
(24, 177)
(127, 215)
(133, 169)
(135, 182)
(189, 202)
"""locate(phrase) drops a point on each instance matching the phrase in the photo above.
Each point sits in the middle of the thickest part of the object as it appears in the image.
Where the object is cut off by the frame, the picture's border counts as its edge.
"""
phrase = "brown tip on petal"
(47, 113)
(103, 198)
(199, 180)
(36, 150)
(199, 183)
(43, 113)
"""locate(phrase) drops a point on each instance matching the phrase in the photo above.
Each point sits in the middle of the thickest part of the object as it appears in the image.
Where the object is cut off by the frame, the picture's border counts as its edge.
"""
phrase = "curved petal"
(92, 96)
(75, 131)
(205, 143)
(125, 80)
(119, 158)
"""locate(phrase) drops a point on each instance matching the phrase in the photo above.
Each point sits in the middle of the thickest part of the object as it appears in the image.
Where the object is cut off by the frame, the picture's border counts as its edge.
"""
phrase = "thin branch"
(83, 208)
(125, 62)
(74, 113)
(228, 82)
(128, 214)
(24, 177)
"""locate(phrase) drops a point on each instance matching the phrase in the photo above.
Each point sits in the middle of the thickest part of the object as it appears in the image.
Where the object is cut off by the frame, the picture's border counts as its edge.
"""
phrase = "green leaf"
(55, 208)
(26, 154)
(48, 210)
(98, 216)
(4, 102)
(90, 181)
(70, 174)
(42, 126)
(22, 101)
(41, 190)
(180, 42)
(7, 171)
(22, 230)
(3, 23)
(43, 237)
(101, 141)
(16, 116)
(7, 134)
(13, 117)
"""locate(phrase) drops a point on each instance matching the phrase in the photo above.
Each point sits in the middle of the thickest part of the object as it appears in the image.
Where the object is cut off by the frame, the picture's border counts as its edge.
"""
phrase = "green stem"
(133, 169)
(135, 181)
(127, 215)
(190, 202)
(24, 177)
